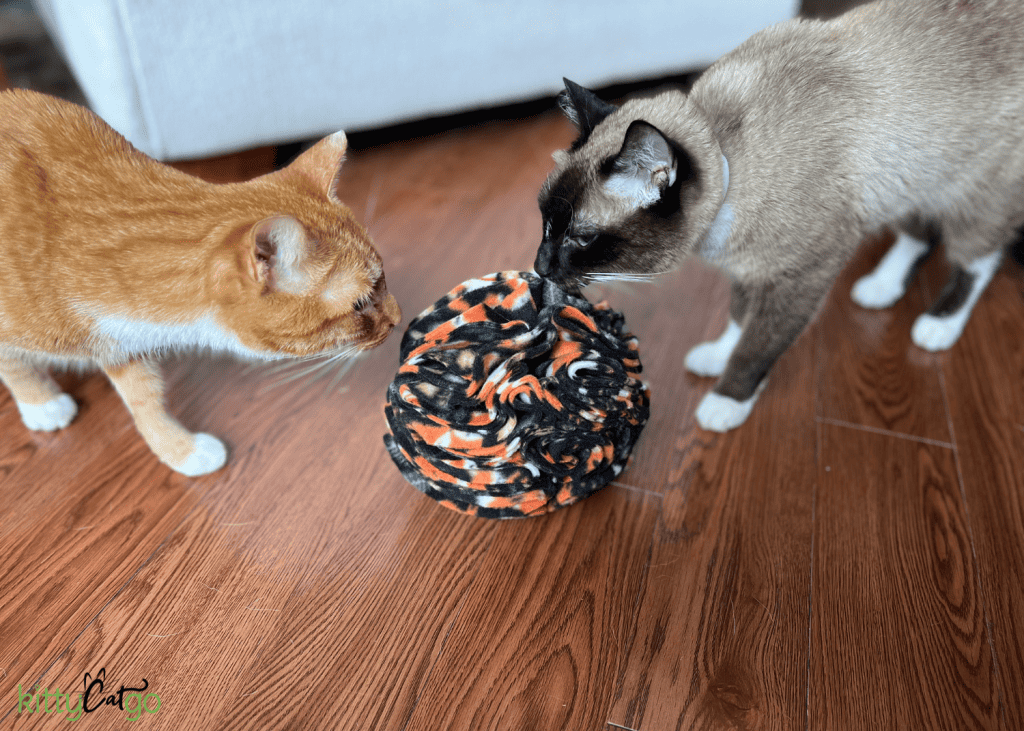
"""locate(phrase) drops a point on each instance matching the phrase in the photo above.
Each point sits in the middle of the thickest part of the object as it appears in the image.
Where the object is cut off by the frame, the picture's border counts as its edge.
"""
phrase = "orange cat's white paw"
(209, 455)
(55, 414)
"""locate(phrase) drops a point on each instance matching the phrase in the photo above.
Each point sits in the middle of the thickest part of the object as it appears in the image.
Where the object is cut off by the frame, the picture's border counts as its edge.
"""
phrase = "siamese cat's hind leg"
(889, 281)
(942, 324)
(709, 359)
(775, 315)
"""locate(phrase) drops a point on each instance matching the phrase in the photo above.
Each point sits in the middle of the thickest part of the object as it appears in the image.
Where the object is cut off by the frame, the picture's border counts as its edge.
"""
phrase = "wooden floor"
(850, 558)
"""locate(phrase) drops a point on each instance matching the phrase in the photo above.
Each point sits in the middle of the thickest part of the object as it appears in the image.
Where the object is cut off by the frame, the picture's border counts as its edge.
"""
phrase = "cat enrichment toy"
(514, 398)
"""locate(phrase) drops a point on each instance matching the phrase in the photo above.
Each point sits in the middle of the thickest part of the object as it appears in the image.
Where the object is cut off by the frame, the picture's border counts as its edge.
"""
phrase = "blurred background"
(191, 79)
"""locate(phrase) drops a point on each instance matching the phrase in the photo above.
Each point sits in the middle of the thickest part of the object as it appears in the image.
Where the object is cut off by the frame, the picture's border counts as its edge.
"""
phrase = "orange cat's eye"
(362, 303)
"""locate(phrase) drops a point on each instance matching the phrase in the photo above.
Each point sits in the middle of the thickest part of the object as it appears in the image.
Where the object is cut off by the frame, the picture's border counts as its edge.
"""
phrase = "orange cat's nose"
(391, 310)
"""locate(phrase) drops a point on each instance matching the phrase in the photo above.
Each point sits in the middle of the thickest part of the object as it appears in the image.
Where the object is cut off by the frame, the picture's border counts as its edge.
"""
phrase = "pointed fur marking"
(940, 333)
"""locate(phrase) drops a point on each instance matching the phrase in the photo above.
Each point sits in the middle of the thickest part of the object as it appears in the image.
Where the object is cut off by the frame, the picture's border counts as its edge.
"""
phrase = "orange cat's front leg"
(39, 399)
(142, 388)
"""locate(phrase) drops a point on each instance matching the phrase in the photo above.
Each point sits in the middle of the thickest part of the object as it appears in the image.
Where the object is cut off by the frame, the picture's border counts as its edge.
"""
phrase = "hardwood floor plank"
(720, 639)
(66, 556)
(383, 640)
(292, 603)
(871, 373)
(983, 373)
(539, 638)
(898, 628)
(47, 460)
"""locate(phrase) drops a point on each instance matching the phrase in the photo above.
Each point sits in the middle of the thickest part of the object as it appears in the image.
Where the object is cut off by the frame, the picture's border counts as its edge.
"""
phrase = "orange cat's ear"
(278, 252)
(321, 163)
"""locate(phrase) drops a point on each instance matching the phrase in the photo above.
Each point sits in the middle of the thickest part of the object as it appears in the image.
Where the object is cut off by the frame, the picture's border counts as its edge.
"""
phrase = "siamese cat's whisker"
(610, 277)
(628, 288)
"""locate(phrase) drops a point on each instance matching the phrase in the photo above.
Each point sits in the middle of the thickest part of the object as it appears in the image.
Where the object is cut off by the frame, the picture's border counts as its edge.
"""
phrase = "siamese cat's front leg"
(710, 358)
(772, 317)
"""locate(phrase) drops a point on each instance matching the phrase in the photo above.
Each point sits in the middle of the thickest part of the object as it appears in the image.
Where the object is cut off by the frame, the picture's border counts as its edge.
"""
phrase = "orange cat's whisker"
(343, 368)
(325, 365)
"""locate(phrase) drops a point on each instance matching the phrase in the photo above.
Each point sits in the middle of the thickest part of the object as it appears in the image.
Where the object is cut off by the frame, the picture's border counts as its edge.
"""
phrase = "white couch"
(192, 78)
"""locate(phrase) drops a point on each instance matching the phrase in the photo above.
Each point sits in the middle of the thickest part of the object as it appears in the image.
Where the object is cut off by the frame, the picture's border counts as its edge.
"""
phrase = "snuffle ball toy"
(514, 398)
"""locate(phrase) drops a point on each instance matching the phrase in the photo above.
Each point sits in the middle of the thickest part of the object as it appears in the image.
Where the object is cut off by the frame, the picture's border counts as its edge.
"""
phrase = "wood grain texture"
(720, 639)
(872, 375)
(984, 374)
(231, 168)
(898, 635)
(83, 510)
(538, 639)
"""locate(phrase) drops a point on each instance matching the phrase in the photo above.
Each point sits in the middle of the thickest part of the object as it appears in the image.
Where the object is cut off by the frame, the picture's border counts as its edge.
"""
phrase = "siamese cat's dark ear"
(644, 168)
(583, 108)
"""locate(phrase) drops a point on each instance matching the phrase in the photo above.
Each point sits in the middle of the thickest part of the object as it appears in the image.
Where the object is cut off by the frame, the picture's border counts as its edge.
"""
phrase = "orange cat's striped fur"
(108, 258)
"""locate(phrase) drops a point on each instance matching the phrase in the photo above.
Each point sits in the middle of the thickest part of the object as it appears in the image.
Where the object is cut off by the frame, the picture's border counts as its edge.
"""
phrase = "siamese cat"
(786, 153)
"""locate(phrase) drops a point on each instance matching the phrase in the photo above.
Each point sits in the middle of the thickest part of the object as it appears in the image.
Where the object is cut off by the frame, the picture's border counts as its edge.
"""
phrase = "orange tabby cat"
(109, 258)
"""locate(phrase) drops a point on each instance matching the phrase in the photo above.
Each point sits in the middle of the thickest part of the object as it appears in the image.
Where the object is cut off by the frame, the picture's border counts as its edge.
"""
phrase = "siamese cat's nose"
(542, 264)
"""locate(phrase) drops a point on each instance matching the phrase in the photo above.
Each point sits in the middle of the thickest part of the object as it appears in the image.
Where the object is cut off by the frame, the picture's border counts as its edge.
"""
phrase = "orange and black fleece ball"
(514, 398)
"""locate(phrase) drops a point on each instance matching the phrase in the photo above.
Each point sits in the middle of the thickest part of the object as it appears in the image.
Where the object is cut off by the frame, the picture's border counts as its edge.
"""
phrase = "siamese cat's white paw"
(876, 291)
(721, 413)
(710, 358)
(209, 455)
(55, 414)
(937, 333)
(888, 282)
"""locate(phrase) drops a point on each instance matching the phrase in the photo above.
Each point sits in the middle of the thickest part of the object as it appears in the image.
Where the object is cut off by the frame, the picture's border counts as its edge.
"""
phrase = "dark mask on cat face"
(614, 205)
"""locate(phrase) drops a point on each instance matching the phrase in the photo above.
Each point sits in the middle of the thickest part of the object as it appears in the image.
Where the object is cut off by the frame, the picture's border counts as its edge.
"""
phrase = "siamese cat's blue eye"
(585, 240)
